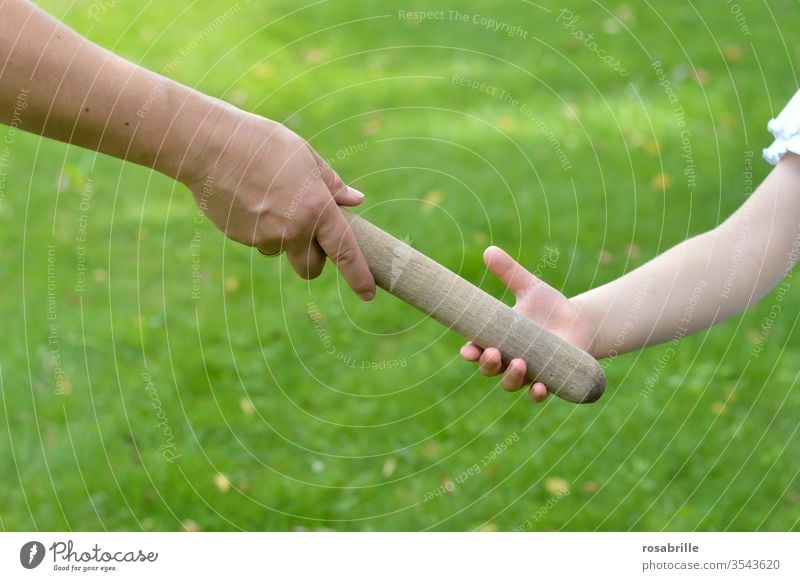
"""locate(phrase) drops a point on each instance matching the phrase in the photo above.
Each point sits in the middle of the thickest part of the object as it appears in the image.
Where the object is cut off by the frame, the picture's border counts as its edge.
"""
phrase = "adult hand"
(264, 186)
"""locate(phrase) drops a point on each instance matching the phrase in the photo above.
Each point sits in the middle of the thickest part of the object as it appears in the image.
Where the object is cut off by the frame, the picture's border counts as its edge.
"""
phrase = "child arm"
(690, 287)
(705, 279)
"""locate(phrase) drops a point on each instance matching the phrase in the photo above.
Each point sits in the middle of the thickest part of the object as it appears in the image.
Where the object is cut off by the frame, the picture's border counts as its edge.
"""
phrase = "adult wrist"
(196, 129)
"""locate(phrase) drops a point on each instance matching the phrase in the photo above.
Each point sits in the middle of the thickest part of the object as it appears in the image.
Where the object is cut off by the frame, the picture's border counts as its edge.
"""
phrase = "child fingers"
(471, 352)
(538, 392)
(490, 362)
(509, 271)
(514, 377)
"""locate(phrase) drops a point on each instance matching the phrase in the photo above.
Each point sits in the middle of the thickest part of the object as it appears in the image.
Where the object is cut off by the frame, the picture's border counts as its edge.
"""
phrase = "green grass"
(246, 383)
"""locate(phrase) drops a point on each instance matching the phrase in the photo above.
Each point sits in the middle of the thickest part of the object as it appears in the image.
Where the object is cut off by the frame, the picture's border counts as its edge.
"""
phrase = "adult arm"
(257, 181)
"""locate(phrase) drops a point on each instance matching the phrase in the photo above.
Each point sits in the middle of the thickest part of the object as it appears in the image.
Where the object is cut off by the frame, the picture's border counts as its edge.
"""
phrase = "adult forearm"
(55, 83)
(259, 182)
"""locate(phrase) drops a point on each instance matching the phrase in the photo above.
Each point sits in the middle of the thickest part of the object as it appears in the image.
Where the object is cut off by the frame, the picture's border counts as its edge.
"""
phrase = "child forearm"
(705, 279)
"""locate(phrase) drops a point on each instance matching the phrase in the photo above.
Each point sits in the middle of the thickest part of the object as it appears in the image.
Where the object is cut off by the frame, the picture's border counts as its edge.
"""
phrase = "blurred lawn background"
(290, 405)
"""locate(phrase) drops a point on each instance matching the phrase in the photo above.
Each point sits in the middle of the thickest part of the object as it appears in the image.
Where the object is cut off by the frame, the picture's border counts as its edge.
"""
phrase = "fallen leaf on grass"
(701, 76)
(231, 284)
(431, 200)
(556, 486)
(315, 56)
(633, 251)
(733, 53)
(605, 258)
(247, 406)
(371, 127)
(661, 181)
(222, 483)
(506, 123)
(389, 467)
(651, 147)
(264, 71)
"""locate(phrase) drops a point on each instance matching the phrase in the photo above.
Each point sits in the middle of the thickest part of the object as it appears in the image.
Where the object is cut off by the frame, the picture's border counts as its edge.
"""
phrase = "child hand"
(542, 304)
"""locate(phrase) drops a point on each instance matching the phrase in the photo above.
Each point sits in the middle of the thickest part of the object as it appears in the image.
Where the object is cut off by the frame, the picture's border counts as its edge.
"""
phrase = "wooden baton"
(568, 372)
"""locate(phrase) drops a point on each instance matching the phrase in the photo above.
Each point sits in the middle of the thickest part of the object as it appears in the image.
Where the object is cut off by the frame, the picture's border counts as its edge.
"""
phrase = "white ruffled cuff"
(786, 129)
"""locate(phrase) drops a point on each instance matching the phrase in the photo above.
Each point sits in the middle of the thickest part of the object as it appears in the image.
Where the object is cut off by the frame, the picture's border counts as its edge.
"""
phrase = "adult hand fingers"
(307, 260)
(339, 243)
(349, 197)
(343, 194)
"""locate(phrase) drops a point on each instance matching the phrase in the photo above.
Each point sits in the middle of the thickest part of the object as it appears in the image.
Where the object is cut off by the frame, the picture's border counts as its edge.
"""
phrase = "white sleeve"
(786, 129)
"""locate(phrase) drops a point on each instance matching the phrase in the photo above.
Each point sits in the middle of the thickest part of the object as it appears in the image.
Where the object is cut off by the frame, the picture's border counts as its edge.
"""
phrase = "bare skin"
(688, 288)
(257, 181)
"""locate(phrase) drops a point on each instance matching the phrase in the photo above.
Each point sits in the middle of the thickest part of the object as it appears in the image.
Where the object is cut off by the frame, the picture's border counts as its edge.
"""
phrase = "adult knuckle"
(291, 232)
(315, 207)
(346, 255)
(334, 181)
(291, 141)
